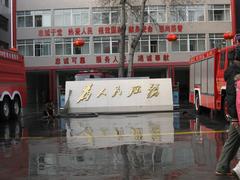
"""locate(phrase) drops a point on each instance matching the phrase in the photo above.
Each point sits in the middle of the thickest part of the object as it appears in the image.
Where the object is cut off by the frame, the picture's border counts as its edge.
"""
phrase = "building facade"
(46, 31)
(7, 24)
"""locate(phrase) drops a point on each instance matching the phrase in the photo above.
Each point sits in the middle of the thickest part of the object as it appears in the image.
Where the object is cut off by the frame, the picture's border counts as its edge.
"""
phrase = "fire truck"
(207, 85)
(12, 84)
(82, 75)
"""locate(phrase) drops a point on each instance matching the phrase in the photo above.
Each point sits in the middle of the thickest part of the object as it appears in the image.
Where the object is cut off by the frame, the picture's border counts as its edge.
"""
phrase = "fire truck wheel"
(5, 109)
(16, 107)
(197, 104)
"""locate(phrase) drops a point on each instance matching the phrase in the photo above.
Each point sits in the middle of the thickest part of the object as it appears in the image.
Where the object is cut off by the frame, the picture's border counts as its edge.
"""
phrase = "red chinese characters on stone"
(140, 58)
(98, 59)
(101, 59)
(109, 30)
(166, 57)
(115, 60)
(59, 32)
(74, 60)
(171, 28)
(106, 60)
(70, 60)
(57, 61)
(82, 60)
(80, 31)
(49, 32)
(40, 33)
(66, 60)
(77, 31)
(157, 57)
(70, 32)
(151, 58)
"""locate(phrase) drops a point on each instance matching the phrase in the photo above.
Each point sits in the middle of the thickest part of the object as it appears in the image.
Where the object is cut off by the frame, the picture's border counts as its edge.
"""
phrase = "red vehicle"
(82, 75)
(207, 85)
(12, 84)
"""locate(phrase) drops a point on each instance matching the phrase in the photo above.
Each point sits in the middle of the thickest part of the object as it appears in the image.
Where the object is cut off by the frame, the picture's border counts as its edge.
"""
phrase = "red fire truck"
(82, 75)
(207, 85)
(12, 84)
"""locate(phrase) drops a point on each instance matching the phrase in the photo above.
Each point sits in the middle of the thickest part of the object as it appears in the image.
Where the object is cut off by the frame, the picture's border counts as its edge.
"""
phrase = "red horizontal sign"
(100, 30)
(101, 59)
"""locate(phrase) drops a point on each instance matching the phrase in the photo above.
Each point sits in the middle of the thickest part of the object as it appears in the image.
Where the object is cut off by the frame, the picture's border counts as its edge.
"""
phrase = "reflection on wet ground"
(112, 147)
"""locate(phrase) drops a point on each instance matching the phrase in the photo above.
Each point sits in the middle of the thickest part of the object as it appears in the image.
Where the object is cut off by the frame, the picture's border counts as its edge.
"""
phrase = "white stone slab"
(99, 95)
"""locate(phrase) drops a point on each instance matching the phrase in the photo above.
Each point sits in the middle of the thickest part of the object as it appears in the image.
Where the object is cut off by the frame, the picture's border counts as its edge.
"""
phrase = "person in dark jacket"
(232, 144)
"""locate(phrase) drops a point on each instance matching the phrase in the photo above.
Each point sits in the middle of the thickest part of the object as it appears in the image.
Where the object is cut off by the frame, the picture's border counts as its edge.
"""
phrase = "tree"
(122, 39)
(135, 40)
(124, 4)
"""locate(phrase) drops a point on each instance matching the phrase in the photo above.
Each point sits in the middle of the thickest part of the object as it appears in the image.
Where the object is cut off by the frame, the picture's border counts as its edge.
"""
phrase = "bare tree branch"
(135, 40)
(122, 39)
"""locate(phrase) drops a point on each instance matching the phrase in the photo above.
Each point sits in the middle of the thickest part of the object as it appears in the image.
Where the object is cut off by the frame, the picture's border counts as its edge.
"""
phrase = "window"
(62, 17)
(197, 42)
(107, 45)
(42, 18)
(155, 14)
(144, 44)
(68, 17)
(181, 44)
(7, 3)
(189, 42)
(24, 19)
(219, 12)
(152, 44)
(115, 45)
(3, 23)
(106, 16)
(162, 45)
(84, 49)
(33, 18)
(80, 17)
(178, 13)
(43, 47)
(4, 45)
(195, 13)
(187, 13)
(101, 45)
(64, 46)
(217, 41)
(25, 47)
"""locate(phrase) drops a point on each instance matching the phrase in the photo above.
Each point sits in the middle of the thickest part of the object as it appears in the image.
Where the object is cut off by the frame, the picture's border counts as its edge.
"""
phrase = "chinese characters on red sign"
(79, 31)
(101, 59)
(70, 60)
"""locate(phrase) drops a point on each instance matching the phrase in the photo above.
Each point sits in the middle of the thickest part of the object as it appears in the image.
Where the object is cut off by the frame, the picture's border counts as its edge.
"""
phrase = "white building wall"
(204, 27)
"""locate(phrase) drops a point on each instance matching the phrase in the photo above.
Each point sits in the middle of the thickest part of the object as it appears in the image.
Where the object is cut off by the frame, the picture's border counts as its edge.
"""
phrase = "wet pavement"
(167, 146)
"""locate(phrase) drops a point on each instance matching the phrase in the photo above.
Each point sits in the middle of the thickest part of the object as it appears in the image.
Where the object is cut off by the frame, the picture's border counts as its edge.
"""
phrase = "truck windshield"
(81, 77)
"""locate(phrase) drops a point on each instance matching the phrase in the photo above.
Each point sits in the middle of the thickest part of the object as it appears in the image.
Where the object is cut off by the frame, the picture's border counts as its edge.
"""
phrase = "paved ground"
(168, 146)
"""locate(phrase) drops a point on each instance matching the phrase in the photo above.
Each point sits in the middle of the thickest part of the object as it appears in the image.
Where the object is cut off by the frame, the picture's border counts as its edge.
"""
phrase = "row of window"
(110, 45)
(101, 16)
